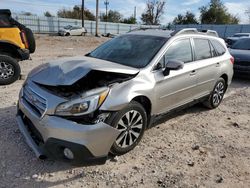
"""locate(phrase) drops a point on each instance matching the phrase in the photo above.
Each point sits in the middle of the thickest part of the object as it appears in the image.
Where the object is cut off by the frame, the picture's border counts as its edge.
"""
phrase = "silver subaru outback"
(83, 108)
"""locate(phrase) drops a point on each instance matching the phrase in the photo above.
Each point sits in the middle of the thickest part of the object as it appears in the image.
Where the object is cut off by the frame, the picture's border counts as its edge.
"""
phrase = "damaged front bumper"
(48, 136)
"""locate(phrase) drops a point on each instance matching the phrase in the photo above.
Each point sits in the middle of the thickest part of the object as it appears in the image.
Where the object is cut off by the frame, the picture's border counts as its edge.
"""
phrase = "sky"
(125, 7)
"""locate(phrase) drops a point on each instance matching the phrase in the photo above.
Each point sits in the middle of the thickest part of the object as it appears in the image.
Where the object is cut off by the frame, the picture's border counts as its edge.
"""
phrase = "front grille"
(37, 102)
(242, 63)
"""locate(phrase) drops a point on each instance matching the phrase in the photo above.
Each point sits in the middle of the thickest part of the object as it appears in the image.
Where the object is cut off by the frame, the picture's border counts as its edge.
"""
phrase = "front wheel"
(131, 122)
(9, 70)
(217, 94)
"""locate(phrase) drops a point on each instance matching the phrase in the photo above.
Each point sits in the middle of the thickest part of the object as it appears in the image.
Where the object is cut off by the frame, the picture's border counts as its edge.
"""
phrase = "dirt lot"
(194, 148)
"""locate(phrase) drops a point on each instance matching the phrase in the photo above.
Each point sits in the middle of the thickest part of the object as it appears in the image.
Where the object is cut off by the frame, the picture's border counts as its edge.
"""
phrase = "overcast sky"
(126, 7)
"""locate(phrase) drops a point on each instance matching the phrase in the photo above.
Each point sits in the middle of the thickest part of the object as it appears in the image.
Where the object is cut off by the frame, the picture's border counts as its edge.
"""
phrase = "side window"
(180, 50)
(219, 47)
(213, 51)
(202, 49)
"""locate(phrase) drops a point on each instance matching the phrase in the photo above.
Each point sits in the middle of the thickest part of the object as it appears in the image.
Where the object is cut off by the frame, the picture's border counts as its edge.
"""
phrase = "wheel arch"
(145, 102)
(225, 77)
(10, 49)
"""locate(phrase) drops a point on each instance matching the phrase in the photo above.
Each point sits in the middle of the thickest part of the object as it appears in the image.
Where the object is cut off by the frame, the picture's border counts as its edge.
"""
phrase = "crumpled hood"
(67, 71)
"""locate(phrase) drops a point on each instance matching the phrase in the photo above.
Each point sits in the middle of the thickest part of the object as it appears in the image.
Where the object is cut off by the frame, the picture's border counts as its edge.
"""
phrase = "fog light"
(68, 153)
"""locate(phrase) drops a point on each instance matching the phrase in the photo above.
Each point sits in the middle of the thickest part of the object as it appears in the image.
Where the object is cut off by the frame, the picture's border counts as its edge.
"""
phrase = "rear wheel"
(217, 94)
(9, 70)
(131, 122)
(67, 34)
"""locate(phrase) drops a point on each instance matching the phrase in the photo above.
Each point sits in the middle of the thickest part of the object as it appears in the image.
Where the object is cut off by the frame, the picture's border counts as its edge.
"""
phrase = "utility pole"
(106, 3)
(135, 13)
(248, 14)
(82, 13)
(97, 18)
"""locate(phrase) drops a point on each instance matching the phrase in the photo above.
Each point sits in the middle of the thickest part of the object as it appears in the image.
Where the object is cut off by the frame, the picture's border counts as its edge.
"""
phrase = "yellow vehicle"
(16, 44)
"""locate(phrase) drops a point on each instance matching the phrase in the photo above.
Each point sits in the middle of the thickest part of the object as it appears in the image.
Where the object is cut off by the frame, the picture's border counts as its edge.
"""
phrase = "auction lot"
(193, 148)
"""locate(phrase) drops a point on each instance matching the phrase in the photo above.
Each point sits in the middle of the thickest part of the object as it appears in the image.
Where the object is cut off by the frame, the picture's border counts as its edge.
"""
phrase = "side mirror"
(173, 65)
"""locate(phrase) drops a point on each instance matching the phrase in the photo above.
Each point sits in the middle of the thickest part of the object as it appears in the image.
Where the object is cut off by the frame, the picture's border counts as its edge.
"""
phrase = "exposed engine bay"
(94, 79)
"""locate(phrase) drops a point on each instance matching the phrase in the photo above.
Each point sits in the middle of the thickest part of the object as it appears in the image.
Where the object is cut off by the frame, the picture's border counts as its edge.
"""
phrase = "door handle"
(217, 64)
(192, 73)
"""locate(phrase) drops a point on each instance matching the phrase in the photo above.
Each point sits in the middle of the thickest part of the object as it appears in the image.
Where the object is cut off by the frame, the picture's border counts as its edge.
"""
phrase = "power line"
(36, 4)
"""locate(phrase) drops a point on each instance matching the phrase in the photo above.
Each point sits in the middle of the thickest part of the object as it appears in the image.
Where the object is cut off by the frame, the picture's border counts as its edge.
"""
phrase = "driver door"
(179, 87)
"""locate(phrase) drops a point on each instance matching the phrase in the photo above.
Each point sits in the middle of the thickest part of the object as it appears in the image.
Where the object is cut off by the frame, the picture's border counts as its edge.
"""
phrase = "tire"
(12, 67)
(31, 40)
(67, 34)
(217, 94)
(131, 134)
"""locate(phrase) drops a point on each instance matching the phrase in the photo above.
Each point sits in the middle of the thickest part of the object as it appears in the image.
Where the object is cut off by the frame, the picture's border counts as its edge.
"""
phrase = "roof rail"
(195, 31)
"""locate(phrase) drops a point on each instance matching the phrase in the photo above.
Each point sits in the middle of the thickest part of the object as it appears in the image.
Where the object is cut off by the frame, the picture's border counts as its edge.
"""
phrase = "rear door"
(208, 66)
(179, 86)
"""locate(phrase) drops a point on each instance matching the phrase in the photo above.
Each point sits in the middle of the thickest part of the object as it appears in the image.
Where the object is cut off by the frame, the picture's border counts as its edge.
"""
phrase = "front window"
(130, 50)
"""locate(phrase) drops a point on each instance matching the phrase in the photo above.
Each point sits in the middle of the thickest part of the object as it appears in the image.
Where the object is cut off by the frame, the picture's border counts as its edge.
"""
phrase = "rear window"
(5, 21)
(218, 47)
(202, 49)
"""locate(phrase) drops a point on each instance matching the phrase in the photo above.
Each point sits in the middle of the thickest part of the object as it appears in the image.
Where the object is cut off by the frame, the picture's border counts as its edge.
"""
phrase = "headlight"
(87, 103)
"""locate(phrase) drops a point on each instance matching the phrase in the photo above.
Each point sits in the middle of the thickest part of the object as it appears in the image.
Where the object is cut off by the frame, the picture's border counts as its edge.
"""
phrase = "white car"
(72, 30)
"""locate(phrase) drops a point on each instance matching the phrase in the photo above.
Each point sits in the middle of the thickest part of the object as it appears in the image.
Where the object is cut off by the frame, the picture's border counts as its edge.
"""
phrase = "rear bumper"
(242, 71)
(50, 135)
(24, 54)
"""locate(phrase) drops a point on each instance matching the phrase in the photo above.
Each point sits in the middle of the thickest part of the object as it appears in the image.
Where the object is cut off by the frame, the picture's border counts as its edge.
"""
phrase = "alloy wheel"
(130, 126)
(6, 70)
(218, 93)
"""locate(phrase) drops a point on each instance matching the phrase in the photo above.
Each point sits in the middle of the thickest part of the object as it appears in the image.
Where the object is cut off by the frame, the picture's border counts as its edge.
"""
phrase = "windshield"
(243, 44)
(130, 50)
(68, 27)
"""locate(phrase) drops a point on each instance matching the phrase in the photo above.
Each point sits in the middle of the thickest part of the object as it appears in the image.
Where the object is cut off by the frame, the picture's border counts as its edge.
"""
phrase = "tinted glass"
(4, 21)
(242, 44)
(241, 35)
(202, 49)
(130, 50)
(219, 47)
(180, 50)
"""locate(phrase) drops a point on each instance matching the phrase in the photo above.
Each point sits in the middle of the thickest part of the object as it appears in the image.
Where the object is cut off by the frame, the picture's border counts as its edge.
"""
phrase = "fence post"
(58, 24)
(91, 27)
(225, 32)
(105, 28)
(118, 29)
(241, 28)
(38, 25)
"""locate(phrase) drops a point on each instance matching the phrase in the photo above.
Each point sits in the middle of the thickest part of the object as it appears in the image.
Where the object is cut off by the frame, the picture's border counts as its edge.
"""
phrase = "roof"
(153, 32)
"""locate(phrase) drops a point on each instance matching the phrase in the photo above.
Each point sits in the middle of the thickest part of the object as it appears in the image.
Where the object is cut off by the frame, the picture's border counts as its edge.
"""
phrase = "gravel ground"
(193, 148)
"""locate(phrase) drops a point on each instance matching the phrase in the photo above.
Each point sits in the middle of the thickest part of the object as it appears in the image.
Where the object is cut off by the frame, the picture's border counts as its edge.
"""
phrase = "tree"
(48, 14)
(248, 14)
(130, 20)
(189, 18)
(216, 13)
(27, 14)
(76, 13)
(154, 11)
(113, 16)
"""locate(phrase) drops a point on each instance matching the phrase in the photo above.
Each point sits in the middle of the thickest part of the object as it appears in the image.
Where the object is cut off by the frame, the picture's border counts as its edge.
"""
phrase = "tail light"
(24, 39)
(232, 60)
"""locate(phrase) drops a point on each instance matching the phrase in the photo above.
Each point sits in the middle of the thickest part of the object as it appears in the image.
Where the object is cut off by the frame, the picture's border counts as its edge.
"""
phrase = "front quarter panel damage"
(122, 94)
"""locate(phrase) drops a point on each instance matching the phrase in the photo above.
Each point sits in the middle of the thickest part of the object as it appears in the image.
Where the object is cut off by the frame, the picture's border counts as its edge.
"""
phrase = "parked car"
(16, 44)
(80, 109)
(72, 31)
(241, 53)
(231, 40)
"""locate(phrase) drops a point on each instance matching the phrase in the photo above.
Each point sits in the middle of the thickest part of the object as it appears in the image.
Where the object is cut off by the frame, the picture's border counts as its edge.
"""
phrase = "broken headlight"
(85, 104)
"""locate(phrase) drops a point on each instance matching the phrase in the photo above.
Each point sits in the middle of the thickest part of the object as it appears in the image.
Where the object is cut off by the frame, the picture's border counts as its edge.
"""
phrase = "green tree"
(48, 14)
(130, 20)
(154, 11)
(75, 13)
(217, 13)
(189, 18)
(113, 16)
